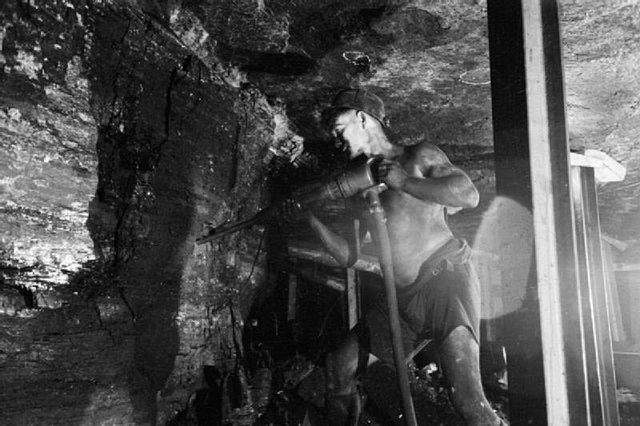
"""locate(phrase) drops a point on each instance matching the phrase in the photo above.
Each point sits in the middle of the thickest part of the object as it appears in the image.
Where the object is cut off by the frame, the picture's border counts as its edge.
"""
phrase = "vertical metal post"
(520, 330)
(532, 168)
(556, 260)
(602, 327)
(592, 355)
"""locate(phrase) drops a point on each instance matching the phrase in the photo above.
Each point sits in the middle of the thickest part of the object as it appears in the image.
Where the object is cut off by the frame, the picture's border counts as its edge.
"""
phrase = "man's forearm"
(337, 246)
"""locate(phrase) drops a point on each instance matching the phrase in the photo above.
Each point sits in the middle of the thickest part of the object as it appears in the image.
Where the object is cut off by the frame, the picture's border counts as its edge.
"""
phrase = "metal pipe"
(260, 217)
(345, 185)
(372, 195)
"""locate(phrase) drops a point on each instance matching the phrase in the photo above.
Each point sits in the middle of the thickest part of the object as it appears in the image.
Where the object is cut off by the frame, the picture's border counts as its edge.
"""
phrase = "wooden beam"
(293, 297)
(626, 267)
(613, 300)
(353, 305)
(364, 262)
(309, 274)
(353, 284)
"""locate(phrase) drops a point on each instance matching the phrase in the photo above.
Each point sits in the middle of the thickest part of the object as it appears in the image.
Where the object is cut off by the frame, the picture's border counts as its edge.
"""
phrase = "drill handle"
(359, 179)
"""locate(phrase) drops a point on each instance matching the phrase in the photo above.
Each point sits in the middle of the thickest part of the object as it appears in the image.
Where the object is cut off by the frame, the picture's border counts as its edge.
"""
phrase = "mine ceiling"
(430, 62)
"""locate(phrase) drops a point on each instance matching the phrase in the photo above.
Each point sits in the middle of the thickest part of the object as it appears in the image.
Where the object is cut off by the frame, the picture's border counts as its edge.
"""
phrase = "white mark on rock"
(27, 64)
(85, 117)
(14, 114)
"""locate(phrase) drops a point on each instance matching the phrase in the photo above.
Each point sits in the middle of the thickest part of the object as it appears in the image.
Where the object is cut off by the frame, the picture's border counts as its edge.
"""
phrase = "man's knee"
(462, 334)
(344, 409)
(462, 338)
(477, 411)
(342, 366)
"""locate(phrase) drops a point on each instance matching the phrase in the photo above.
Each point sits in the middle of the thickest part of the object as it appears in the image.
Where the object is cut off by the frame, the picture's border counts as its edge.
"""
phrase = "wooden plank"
(619, 267)
(618, 333)
(556, 262)
(353, 305)
(293, 297)
(309, 274)
(363, 263)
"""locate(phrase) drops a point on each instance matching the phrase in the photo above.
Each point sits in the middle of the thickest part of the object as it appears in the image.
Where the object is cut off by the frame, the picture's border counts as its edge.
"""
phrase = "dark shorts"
(445, 295)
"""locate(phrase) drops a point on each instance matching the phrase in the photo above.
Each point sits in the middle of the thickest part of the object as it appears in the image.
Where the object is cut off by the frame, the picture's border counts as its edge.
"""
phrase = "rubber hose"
(386, 265)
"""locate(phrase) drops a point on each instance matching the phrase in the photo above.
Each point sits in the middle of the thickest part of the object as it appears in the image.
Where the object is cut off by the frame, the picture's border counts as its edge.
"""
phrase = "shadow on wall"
(147, 248)
(157, 142)
(125, 341)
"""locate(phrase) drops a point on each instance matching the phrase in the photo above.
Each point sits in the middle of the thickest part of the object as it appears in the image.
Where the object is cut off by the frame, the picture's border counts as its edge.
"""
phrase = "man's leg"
(460, 358)
(342, 400)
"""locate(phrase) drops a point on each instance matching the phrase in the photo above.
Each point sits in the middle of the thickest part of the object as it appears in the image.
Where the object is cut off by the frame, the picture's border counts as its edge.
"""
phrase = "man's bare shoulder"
(430, 160)
(428, 154)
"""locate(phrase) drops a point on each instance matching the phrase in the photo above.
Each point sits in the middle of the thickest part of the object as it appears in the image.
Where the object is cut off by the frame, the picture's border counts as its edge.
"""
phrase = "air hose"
(372, 195)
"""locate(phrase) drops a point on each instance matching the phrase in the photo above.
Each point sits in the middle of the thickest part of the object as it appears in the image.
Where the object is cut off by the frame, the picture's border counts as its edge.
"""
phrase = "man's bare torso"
(417, 229)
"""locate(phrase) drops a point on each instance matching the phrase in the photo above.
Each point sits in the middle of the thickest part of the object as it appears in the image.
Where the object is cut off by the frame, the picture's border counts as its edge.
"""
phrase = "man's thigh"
(449, 300)
(374, 336)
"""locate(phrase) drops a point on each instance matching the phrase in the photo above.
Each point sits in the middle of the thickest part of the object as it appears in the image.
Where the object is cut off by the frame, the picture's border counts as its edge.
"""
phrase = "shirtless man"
(438, 293)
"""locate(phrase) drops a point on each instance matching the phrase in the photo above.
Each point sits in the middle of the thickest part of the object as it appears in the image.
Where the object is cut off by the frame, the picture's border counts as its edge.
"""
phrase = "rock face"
(121, 140)
(129, 128)
(602, 102)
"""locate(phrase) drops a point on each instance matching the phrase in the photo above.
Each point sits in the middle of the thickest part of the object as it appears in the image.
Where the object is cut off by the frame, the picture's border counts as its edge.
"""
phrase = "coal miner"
(438, 291)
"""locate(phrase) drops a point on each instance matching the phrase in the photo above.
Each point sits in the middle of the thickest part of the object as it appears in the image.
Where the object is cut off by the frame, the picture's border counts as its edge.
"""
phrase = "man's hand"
(292, 211)
(393, 174)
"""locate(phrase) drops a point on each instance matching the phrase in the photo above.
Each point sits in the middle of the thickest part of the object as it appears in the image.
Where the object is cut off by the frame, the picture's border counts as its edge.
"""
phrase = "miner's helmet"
(361, 100)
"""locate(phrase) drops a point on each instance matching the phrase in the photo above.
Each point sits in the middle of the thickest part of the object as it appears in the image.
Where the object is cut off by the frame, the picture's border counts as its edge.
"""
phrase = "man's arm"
(338, 247)
(431, 177)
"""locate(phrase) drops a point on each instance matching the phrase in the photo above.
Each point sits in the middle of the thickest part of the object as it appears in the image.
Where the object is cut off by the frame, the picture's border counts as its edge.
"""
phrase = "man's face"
(348, 130)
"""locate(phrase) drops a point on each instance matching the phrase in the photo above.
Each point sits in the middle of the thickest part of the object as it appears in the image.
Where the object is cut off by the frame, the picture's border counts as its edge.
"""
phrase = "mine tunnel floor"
(297, 396)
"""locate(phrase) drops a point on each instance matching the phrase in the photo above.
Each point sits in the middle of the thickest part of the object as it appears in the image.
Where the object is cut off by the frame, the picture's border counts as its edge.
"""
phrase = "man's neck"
(383, 147)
